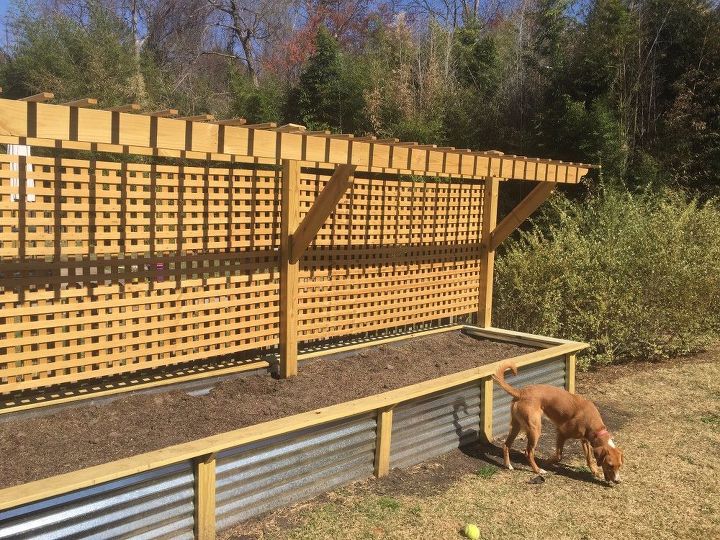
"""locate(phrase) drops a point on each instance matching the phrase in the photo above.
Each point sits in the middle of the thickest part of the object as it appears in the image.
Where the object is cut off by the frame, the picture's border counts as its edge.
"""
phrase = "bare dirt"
(74, 438)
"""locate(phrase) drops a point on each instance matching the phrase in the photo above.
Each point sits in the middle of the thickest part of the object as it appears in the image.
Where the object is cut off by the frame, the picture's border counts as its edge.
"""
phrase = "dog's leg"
(514, 430)
(533, 434)
(559, 445)
(587, 449)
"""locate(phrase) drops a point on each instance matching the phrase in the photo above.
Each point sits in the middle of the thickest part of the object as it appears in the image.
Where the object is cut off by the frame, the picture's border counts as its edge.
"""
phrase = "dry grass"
(665, 417)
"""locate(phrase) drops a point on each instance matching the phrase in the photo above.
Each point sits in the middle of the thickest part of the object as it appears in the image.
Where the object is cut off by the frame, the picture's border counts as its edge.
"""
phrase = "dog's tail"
(500, 378)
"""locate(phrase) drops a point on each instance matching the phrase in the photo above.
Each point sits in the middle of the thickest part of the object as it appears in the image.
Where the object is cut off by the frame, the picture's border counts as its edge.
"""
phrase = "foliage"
(329, 92)
(73, 59)
(635, 275)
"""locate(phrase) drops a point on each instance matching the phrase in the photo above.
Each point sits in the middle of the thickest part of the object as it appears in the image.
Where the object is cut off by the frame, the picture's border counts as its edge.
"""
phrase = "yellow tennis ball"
(472, 532)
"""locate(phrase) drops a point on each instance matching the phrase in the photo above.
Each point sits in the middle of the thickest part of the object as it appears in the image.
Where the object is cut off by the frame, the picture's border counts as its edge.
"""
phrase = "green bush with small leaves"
(637, 276)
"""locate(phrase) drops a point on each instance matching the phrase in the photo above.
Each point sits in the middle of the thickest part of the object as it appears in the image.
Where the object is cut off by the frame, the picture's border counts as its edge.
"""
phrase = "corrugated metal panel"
(550, 372)
(282, 470)
(432, 425)
(155, 504)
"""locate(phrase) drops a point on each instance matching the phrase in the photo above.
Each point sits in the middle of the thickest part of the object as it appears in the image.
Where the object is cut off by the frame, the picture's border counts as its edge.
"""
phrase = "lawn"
(666, 417)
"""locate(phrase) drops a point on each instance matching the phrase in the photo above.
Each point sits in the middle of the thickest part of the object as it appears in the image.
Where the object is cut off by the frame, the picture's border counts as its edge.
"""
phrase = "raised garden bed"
(438, 395)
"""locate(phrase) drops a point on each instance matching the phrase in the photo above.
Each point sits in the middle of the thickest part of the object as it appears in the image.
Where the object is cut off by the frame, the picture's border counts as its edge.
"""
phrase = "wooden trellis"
(132, 241)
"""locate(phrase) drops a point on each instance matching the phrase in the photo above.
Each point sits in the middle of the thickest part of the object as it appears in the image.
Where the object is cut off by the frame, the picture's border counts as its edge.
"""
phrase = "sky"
(3, 11)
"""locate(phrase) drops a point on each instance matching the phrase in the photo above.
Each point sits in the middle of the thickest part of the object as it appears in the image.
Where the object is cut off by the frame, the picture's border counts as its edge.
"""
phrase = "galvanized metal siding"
(432, 425)
(155, 504)
(550, 372)
(258, 477)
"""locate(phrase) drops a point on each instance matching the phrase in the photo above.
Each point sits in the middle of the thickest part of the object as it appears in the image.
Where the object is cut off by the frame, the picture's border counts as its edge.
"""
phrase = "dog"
(575, 418)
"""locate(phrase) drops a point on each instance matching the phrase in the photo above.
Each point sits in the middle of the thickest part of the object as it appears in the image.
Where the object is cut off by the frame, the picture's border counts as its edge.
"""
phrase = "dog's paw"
(542, 471)
(510, 467)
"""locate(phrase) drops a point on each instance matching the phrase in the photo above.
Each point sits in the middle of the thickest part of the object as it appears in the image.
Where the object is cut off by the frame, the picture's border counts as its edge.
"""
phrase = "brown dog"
(575, 418)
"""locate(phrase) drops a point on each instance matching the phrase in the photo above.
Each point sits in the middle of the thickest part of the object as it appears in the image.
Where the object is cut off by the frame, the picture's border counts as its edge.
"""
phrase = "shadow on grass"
(493, 455)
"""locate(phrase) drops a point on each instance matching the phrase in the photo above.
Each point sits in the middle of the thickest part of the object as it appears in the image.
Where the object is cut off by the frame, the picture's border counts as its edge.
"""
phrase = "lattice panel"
(393, 253)
(108, 268)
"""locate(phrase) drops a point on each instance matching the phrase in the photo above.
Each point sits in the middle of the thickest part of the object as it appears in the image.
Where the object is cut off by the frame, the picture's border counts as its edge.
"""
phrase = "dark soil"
(75, 438)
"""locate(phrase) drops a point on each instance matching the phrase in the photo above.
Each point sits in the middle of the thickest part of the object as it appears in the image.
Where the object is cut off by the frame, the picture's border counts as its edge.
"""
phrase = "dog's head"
(610, 458)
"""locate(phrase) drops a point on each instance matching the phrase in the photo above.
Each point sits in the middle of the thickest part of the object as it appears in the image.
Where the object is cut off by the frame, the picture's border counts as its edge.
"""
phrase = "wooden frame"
(381, 263)
(136, 131)
(202, 451)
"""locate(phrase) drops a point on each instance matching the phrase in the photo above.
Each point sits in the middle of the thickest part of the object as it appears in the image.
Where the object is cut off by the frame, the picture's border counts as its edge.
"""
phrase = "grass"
(663, 417)
(486, 471)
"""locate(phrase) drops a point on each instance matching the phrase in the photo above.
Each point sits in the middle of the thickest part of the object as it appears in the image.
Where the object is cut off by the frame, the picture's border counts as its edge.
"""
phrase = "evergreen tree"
(329, 94)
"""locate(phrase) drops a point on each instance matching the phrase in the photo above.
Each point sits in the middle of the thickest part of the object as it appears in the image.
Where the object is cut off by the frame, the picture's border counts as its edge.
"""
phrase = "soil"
(74, 438)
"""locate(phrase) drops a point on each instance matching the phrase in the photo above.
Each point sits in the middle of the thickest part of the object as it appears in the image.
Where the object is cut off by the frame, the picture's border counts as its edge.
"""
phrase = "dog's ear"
(600, 454)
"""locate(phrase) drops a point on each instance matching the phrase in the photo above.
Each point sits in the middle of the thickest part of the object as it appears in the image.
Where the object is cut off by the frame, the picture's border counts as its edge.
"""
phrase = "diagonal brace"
(322, 208)
(520, 213)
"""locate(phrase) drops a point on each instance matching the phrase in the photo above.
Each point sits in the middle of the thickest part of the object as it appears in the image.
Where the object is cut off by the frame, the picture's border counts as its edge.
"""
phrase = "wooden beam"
(570, 360)
(39, 98)
(520, 213)
(48, 124)
(164, 113)
(291, 128)
(487, 255)
(487, 417)
(84, 102)
(324, 206)
(382, 441)
(264, 125)
(130, 107)
(205, 482)
(289, 270)
(231, 122)
(198, 118)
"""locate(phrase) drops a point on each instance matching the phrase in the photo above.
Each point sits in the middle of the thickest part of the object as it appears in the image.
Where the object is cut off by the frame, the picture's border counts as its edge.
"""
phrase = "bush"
(635, 275)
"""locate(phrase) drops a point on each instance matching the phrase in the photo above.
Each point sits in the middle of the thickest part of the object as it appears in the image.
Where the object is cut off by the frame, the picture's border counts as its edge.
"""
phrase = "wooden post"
(382, 442)
(570, 372)
(205, 497)
(487, 395)
(487, 255)
(520, 213)
(289, 271)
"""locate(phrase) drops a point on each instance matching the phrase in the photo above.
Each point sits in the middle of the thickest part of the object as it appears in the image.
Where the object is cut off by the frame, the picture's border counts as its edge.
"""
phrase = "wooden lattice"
(132, 242)
(115, 267)
(393, 253)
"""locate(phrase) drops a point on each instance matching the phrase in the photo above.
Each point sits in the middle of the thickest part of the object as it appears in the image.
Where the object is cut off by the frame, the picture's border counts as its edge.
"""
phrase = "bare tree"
(248, 26)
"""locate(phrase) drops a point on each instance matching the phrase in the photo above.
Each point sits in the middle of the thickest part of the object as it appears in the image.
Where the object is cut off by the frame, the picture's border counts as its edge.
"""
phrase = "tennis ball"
(472, 532)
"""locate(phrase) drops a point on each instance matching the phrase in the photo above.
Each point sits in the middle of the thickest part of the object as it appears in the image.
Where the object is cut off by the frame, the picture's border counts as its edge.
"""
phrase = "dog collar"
(602, 432)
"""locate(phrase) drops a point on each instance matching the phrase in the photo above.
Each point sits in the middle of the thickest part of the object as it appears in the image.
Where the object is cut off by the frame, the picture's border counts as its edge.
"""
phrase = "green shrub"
(635, 275)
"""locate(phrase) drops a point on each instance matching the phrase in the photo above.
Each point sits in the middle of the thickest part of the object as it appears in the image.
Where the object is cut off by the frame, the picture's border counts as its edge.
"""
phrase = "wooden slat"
(382, 441)
(520, 213)
(39, 98)
(289, 270)
(130, 107)
(84, 102)
(321, 210)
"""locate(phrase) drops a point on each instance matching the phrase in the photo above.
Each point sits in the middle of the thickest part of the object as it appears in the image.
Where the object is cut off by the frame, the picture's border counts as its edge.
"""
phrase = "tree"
(251, 24)
(94, 58)
(330, 92)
